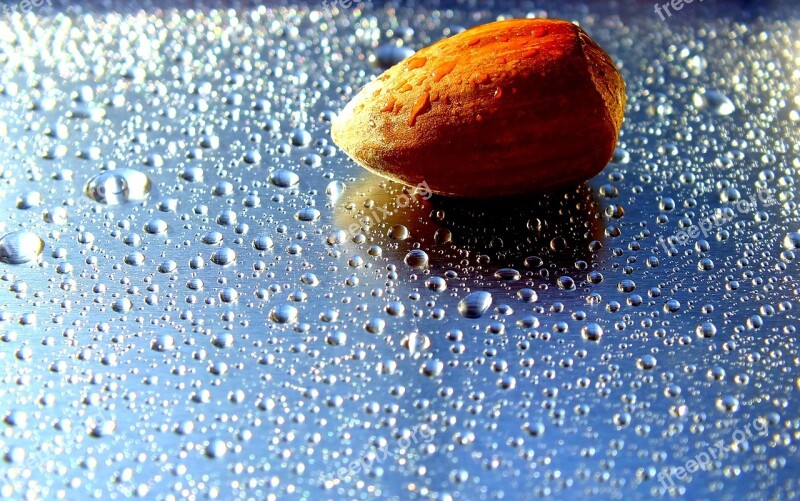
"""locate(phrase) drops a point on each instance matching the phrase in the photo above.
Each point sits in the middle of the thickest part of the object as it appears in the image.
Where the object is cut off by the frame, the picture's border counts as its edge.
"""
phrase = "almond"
(507, 108)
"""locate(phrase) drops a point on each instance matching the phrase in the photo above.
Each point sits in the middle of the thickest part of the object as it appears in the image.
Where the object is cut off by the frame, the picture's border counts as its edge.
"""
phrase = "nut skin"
(508, 108)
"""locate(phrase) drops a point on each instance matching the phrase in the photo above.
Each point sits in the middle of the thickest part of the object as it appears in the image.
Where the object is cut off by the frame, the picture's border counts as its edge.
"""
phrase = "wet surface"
(202, 296)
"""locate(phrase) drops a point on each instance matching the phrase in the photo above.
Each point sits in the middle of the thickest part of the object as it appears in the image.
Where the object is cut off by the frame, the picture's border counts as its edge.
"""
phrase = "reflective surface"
(202, 296)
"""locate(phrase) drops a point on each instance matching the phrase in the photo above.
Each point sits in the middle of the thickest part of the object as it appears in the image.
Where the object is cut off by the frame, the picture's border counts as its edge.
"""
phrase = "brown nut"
(507, 108)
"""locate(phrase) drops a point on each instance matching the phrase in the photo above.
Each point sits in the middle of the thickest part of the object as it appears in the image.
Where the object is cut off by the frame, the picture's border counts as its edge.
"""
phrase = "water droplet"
(415, 342)
(337, 338)
(308, 214)
(216, 448)
(300, 137)
(156, 227)
(119, 186)
(621, 156)
(262, 243)
(252, 156)
(705, 264)
(395, 308)
(566, 283)
(792, 240)
(417, 258)
(527, 295)
(99, 428)
(122, 305)
(283, 314)
(193, 174)
(223, 256)
(534, 429)
(375, 325)
(29, 200)
(592, 332)
(533, 262)
(399, 232)
(647, 362)
(436, 283)
(475, 305)
(727, 403)
(335, 189)
(163, 342)
(284, 178)
(706, 330)
(507, 274)
(715, 101)
(432, 368)
(20, 247)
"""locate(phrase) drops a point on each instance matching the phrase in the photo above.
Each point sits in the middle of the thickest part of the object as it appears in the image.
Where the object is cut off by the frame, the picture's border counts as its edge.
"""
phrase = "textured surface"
(238, 310)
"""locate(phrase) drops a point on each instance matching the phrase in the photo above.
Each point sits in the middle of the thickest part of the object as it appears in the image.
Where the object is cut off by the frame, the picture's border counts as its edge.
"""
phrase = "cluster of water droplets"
(192, 272)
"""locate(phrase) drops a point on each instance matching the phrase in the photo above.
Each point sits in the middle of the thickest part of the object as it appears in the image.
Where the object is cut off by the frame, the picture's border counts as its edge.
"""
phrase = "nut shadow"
(543, 233)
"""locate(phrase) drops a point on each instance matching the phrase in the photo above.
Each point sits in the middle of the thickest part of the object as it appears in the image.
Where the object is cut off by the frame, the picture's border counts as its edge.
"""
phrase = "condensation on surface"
(203, 297)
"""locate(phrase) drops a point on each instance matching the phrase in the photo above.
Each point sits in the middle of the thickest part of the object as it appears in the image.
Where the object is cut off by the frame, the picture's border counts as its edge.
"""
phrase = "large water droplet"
(283, 314)
(792, 240)
(119, 186)
(284, 178)
(335, 189)
(417, 258)
(715, 101)
(475, 305)
(163, 342)
(307, 214)
(223, 256)
(592, 332)
(508, 274)
(399, 232)
(20, 247)
(432, 368)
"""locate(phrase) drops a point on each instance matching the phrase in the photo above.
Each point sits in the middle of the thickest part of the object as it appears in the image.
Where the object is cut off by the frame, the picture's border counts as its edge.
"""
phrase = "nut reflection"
(543, 233)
